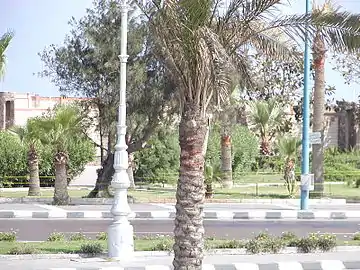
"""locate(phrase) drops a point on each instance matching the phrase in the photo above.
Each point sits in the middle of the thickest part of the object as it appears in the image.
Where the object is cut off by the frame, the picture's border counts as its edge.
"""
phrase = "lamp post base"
(121, 241)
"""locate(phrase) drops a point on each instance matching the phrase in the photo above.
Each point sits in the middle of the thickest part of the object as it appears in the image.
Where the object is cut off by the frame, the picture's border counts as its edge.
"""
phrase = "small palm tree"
(264, 120)
(4, 44)
(288, 148)
(30, 136)
(58, 129)
(212, 173)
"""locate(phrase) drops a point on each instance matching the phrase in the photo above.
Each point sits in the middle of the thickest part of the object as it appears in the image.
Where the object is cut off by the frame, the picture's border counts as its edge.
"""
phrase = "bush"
(356, 236)
(13, 160)
(254, 246)
(289, 239)
(78, 237)
(56, 237)
(165, 244)
(245, 148)
(8, 236)
(308, 244)
(244, 144)
(273, 245)
(265, 243)
(21, 249)
(102, 236)
(13, 157)
(342, 166)
(326, 242)
(160, 163)
(228, 244)
(91, 248)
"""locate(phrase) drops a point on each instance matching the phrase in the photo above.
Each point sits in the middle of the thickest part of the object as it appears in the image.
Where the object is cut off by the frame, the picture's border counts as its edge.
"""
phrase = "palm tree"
(319, 57)
(4, 44)
(212, 173)
(31, 137)
(228, 119)
(201, 43)
(57, 130)
(264, 120)
(289, 149)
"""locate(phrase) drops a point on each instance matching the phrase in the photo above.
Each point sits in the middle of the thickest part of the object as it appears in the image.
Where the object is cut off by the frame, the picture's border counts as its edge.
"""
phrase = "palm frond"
(288, 146)
(4, 44)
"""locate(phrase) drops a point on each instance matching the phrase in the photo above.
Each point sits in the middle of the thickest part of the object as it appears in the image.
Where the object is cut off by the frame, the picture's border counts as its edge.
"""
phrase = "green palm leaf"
(4, 44)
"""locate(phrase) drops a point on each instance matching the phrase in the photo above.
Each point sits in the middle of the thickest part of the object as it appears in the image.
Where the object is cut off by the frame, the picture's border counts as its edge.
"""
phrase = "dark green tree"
(87, 65)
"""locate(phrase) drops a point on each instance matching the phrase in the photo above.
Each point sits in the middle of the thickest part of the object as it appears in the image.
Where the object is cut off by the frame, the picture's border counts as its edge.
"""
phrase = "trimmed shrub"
(289, 239)
(356, 236)
(78, 237)
(308, 244)
(56, 237)
(165, 244)
(326, 242)
(102, 236)
(21, 249)
(8, 236)
(91, 248)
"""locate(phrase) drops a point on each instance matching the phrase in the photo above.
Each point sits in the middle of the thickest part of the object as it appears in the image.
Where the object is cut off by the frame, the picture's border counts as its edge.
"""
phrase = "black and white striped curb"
(212, 215)
(317, 265)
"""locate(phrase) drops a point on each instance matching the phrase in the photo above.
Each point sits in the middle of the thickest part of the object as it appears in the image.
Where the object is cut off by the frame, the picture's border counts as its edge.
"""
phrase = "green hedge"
(13, 161)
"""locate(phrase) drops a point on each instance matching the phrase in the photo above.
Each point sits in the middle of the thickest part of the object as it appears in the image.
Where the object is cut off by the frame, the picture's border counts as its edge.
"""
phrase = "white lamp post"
(120, 232)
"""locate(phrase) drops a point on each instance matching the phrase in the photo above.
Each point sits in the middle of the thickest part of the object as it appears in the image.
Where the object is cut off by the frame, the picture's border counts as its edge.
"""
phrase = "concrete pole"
(304, 196)
(120, 232)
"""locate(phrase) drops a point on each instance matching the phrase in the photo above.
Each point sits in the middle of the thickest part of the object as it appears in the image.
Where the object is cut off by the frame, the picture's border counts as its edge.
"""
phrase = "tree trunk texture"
(105, 174)
(61, 195)
(34, 181)
(189, 228)
(209, 191)
(265, 147)
(289, 177)
(319, 53)
(226, 164)
(226, 155)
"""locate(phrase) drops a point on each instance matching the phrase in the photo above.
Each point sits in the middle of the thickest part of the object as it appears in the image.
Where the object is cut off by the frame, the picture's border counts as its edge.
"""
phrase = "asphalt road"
(37, 230)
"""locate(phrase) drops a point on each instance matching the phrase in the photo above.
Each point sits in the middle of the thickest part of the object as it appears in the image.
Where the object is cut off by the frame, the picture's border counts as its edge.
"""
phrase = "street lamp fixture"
(120, 232)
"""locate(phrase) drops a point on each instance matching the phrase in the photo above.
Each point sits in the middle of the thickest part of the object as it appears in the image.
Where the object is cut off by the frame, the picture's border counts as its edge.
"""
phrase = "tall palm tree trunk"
(319, 52)
(61, 195)
(34, 181)
(189, 228)
(226, 156)
(226, 164)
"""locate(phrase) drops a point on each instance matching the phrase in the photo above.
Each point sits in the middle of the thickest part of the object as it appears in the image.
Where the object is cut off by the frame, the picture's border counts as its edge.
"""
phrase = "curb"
(209, 215)
(109, 201)
(313, 265)
(158, 254)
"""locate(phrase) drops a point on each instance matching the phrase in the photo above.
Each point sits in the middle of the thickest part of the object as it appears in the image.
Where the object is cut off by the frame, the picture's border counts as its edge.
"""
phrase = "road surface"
(39, 229)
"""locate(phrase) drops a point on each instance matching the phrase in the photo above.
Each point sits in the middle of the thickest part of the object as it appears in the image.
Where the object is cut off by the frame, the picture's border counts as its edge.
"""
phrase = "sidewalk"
(167, 211)
(320, 261)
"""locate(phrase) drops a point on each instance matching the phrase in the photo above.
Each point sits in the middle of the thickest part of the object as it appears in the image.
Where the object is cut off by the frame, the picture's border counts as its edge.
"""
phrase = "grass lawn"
(338, 191)
(44, 194)
(159, 244)
(153, 244)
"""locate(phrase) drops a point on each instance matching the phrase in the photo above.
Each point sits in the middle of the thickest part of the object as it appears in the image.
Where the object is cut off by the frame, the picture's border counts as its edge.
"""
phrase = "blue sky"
(39, 23)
